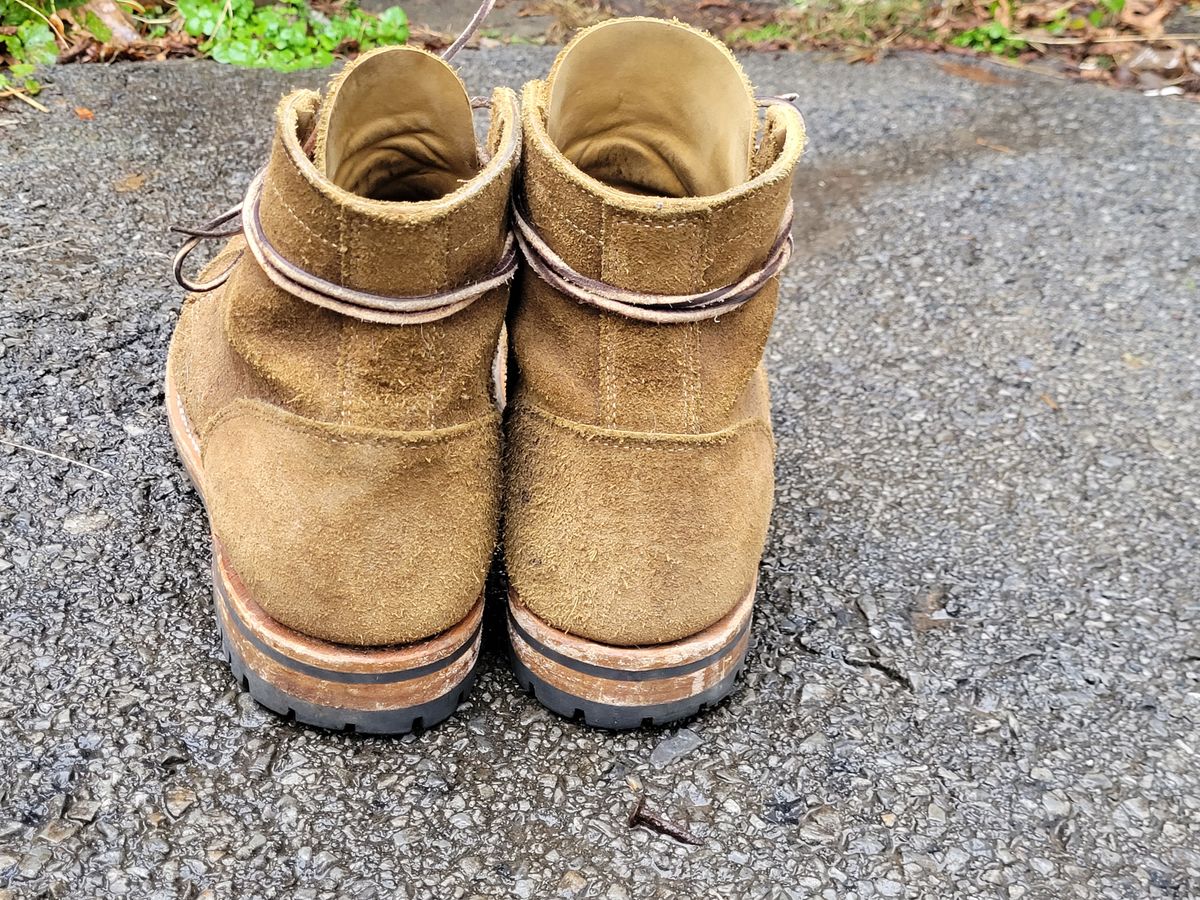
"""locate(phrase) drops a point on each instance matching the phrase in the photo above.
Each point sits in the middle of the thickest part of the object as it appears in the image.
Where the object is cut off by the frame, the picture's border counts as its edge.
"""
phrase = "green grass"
(285, 35)
(854, 22)
(993, 37)
(290, 34)
(870, 23)
(31, 45)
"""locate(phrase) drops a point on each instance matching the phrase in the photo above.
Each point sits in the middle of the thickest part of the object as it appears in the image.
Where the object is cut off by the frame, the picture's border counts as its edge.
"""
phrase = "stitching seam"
(299, 221)
(343, 330)
(271, 416)
(665, 444)
(608, 403)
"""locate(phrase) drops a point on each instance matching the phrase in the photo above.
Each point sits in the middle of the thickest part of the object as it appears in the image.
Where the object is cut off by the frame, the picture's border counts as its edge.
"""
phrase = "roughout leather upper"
(639, 456)
(351, 468)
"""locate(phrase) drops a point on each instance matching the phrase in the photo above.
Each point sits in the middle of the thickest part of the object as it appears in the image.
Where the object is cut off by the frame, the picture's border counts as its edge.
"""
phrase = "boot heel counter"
(631, 538)
(351, 535)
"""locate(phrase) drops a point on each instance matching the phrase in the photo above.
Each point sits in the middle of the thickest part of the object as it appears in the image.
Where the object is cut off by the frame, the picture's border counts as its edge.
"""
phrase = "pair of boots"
(333, 384)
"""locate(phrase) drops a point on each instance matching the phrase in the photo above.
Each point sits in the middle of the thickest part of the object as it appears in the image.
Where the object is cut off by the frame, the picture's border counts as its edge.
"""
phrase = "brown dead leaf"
(999, 148)
(929, 611)
(54, 20)
(1146, 16)
(84, 113)
(867, 55)
(1050, 402)
(1168, 62)
(976, 73)
(130, 183)
(1002, 12)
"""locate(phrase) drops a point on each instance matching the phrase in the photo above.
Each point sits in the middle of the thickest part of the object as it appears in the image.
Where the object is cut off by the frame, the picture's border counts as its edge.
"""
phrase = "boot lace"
(307, 286)
(541, 258)
(649, 307)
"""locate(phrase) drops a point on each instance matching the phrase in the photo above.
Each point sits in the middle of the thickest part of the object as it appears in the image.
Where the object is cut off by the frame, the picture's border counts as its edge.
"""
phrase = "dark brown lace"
(314, 289)
(363, 304)
(548, 265)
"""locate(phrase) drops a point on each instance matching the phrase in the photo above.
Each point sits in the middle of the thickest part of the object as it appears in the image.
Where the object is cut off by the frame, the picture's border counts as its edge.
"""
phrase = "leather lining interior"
(399, 128)
(655, 108)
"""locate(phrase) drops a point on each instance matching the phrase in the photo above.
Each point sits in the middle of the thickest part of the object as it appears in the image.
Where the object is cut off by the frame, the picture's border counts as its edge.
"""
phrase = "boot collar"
(392, 251)
(670, 246)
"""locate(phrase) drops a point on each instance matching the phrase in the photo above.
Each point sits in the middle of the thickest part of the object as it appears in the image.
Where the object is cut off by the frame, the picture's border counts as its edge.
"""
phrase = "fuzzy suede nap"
(639, 464)
(352, 468)
(356, 535)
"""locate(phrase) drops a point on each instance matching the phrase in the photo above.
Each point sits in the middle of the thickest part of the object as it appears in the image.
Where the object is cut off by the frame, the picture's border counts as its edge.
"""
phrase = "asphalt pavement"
(976, 661)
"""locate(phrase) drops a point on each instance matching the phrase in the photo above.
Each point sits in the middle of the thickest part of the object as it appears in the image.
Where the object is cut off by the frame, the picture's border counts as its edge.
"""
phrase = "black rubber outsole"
(621, 718)
(391, 721)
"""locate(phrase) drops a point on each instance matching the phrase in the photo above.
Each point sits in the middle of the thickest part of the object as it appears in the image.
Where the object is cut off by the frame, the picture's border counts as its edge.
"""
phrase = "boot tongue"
(653, 107)
(397, 125)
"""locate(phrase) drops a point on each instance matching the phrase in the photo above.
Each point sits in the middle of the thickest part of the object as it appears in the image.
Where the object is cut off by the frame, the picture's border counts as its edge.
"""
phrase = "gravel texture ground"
(976, 666)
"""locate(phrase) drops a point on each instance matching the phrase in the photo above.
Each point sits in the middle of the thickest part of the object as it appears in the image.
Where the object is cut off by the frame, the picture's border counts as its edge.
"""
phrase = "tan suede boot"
(332, 396)
(654, 214)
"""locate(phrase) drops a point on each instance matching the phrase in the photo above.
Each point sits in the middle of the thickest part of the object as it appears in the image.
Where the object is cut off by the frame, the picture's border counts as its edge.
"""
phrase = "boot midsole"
(334, 675)
(631, 677)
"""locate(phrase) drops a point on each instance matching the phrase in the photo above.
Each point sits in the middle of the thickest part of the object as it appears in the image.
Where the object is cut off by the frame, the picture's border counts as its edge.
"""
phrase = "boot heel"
(627, 687)
(386, 690)
(390, 690)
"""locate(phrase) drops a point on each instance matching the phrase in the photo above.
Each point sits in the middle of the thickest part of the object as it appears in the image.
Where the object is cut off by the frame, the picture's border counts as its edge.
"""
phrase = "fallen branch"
(116, 21)
(24, 98)
(17, 251)
(1118, 39)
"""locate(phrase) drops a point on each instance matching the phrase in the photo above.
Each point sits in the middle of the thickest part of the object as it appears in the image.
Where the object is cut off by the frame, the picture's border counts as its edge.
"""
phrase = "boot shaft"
(395, 126)
(642, 170)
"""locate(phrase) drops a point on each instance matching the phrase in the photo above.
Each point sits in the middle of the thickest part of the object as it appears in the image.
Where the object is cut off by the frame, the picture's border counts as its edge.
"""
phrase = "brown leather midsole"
(334, 675)
(630, 676)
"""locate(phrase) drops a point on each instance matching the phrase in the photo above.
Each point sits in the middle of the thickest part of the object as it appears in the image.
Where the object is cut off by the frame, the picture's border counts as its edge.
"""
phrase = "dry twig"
(46, 453)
